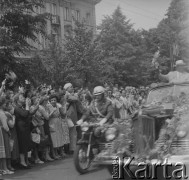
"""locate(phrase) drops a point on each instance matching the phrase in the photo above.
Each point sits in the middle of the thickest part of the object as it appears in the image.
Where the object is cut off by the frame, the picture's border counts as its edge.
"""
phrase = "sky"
(144, 14)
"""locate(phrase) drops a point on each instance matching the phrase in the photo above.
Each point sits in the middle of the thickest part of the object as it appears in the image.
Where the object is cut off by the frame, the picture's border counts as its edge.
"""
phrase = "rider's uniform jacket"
(103, 109)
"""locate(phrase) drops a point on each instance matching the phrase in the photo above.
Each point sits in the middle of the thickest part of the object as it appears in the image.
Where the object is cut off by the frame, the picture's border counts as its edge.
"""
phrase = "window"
(54, 33)
(88, 16)
(66, 13)
(77, 15)
(53, 9)
(67, 30)
(73, 15)
(38, 10)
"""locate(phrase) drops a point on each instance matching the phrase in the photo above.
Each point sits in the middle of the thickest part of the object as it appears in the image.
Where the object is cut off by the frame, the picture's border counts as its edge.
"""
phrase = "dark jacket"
(75, 108)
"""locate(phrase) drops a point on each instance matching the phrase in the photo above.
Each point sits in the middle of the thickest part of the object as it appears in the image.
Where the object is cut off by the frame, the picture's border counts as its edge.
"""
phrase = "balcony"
(55, 20)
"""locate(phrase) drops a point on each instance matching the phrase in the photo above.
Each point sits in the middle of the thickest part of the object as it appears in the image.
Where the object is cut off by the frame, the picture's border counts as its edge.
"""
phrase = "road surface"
(58, 170)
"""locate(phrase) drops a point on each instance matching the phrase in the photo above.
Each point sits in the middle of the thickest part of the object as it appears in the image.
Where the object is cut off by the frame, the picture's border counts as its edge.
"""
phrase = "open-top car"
(160, 129)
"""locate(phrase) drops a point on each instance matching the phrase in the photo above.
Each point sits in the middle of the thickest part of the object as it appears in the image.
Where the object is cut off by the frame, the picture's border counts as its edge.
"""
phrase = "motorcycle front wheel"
(81, 161)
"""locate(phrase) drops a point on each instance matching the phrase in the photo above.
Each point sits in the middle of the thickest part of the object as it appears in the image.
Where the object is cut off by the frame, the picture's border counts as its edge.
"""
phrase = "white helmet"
(98, 90)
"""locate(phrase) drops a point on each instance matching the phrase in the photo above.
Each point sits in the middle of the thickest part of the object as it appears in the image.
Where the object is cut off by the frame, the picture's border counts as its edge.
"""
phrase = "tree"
(170, 37)
(80, 52)
(171, 34)
(123, 50)
(52, 59)
(19, 23)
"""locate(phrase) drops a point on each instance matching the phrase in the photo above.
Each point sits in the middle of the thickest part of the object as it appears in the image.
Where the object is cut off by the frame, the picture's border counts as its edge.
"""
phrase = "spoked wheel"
(81, 161)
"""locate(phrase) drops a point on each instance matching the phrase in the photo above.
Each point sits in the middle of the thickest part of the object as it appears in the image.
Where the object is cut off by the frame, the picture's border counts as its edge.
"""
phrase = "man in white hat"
(68, 87)
(180, 75)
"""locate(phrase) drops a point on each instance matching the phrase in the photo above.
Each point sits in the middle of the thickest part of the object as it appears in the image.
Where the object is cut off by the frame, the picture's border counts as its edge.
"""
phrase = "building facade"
(64, 12)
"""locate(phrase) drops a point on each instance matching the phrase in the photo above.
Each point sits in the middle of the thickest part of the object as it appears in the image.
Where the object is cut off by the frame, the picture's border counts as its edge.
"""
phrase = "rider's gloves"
(80, 122)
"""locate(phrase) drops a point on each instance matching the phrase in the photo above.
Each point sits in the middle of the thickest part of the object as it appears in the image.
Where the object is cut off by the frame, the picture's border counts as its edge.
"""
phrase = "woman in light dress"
(58, 126)
(5, 152)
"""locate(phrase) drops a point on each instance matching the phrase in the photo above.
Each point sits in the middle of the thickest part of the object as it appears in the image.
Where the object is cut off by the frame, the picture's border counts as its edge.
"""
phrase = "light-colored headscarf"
(67, 85)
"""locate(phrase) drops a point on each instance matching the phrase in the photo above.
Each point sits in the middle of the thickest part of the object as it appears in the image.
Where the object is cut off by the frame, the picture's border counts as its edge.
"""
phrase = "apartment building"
(63, 14)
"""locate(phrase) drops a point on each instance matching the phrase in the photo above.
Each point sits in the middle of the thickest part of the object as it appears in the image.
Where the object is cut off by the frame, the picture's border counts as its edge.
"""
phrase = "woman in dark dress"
(23, 122)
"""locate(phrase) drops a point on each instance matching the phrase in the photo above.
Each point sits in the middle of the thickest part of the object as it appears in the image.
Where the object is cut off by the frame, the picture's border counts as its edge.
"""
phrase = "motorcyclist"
(100, 109)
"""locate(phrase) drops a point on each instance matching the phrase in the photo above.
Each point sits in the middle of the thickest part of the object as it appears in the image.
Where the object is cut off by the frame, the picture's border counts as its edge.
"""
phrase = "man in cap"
(74, 112)
(180, 75)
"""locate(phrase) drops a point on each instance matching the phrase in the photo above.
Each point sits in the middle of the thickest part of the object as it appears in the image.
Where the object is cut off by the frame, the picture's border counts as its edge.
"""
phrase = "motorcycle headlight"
(84, 128)
(111, 134)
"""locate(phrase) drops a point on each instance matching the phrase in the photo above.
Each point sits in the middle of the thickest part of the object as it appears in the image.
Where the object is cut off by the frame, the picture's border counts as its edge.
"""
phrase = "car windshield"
(168, 94)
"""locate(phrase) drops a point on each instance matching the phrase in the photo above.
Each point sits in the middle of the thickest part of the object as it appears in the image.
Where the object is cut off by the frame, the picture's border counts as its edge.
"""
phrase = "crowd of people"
(126, 100)
(38, 125)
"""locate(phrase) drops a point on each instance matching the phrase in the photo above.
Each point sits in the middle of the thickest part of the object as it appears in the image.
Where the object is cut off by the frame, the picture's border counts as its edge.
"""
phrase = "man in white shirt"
(178, 76)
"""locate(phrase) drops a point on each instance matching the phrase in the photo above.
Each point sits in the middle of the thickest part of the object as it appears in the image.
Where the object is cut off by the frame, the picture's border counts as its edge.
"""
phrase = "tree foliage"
(81, 56)
(170, 35)
(118, 53)
(19, 23)
(123, 50)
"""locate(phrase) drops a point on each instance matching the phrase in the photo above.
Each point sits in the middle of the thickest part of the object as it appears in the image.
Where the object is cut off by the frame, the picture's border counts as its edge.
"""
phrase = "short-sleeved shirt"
(176, 77)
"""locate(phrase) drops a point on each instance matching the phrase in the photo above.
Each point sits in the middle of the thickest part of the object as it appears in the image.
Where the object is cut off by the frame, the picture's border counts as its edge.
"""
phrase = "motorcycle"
(93, 141)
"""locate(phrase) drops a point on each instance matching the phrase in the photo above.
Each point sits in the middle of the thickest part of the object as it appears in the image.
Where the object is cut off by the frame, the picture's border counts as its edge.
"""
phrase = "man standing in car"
(178, 76)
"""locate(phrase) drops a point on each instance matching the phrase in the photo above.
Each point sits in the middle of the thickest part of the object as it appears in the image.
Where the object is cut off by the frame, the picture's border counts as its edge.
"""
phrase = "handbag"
(70, 123)
(37, 121)
(35, 137)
